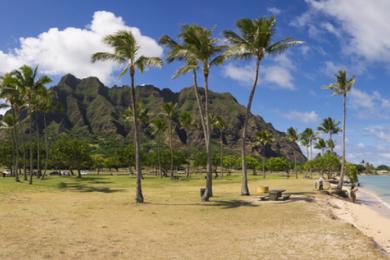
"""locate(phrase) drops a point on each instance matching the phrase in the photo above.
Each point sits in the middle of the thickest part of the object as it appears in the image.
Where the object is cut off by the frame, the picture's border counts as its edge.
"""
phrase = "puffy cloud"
(59, 51)
(370, 106)
(274, 10)
(305, 117)
(379, 132)
(277, 75)
(363, 24)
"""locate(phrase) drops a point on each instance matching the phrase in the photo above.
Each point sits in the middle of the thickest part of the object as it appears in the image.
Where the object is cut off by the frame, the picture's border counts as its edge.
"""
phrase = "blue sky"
(61, 35)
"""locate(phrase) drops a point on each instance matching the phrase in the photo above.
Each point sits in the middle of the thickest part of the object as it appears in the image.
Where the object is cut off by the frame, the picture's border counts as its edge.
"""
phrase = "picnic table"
(275, 194)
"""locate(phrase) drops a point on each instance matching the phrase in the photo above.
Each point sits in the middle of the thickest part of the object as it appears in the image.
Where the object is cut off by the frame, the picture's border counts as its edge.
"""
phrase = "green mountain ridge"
(88, 105)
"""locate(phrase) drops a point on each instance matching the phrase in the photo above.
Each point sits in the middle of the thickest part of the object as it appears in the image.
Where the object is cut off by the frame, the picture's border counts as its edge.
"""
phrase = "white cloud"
(305, 117)
(274, 10)
(363, 24)
(60, 51)
(369, 106)
(379, 132)
(277, 75)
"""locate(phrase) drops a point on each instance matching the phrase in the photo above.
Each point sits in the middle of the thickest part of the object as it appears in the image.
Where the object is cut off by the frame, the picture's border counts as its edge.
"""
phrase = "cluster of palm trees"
(25, 93)
(309, 139)
(199, 50)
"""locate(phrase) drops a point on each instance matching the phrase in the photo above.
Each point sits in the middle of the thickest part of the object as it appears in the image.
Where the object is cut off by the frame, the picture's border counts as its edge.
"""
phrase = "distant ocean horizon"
(378, 185)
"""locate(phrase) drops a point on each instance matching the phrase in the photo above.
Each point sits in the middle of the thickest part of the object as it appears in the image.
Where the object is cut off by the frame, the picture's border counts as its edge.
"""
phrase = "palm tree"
(170, 111)
(187, 122)
(307, 139)
(254, 41)
(26, 79)
(45, 105)
(263, 139)
(159, 126)
(126, 53)
(10, 91)
(292, 136)
(330, 144)
(341, 87)
(329, 126)
(199, 47)
(320, 145)
(218, 123)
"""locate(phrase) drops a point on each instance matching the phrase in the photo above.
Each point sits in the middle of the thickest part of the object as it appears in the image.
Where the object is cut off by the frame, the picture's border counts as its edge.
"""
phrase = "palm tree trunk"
(158, 159)
(209, 180)
(170, 145)
(24, 158)
(38, 148)
(341, 182)
(244, 182)
(16, 145)
(46, 147)
(201, 114)
(139, 198)
(221, 154)
(31, 148)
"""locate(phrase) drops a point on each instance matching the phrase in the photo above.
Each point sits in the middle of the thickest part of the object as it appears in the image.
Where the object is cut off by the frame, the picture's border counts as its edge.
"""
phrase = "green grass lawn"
(96, 218)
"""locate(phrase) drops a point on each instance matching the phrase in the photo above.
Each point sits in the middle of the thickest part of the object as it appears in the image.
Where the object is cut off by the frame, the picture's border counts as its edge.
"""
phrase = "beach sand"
(369, 215)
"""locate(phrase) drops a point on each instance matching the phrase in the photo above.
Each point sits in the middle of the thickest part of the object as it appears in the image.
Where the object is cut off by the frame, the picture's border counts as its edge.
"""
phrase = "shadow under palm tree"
(84, 188)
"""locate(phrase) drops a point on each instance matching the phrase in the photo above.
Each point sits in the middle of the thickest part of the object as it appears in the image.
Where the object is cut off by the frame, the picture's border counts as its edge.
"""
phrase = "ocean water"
(379, 185)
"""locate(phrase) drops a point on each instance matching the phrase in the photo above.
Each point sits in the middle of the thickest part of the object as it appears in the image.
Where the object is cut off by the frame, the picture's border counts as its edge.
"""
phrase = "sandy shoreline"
(370, 215)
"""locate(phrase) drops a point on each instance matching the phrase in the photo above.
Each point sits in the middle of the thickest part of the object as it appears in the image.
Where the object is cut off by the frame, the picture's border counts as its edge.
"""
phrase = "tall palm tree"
(263, 139)
(170, 112)
(45, 105)
(342, 87)
(26, 79)
(292, 136)
(199, 47)
(187, 122)
(159, 125)
(329, 126)
(320, 145)
(10, 91)
(219, 124)
(307, 138)
(254, 41)
(126, 53)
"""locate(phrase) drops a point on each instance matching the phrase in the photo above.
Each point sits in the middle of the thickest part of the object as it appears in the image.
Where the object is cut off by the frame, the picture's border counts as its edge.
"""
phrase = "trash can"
(262, 189)
(202, 191)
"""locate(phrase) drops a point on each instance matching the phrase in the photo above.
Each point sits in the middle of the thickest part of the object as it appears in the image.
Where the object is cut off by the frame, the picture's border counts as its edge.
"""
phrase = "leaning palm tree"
(342, 87)
(329, 126)
(159, 125)
(126, 53)
(33, 87)
(254, 41)
(199, 47)
(292, 136)
(170, 111)
(320, 145)
(263, 139)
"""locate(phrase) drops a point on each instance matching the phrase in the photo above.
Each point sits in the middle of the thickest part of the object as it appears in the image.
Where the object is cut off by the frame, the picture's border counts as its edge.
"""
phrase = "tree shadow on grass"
(84, 188)
(231, 204)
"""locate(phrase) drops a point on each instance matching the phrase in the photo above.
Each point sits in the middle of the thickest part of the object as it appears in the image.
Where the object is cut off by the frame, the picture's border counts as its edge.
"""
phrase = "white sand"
(370, 215)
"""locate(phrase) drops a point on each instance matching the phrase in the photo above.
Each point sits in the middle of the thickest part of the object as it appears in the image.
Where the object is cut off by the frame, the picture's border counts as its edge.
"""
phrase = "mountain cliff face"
(88, 105)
